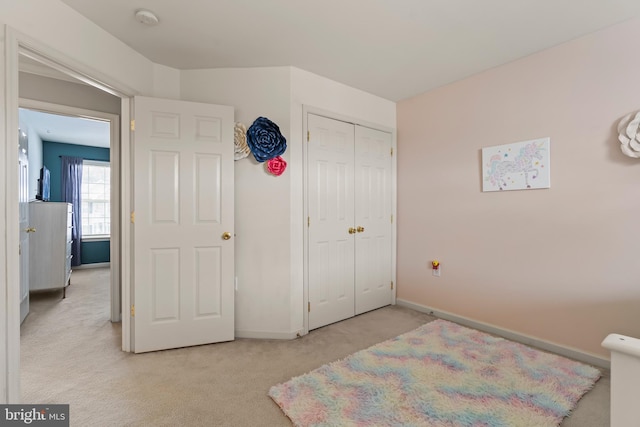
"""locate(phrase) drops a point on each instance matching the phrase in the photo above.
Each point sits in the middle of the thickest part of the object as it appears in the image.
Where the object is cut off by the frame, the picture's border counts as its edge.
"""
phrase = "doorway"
(16, 47)
(54, 130)
(56, 125)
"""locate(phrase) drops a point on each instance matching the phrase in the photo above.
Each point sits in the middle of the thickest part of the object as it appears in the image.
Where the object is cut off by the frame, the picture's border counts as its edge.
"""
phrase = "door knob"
(352, 230)
(226, 235)
(30, 229)
(360, 229)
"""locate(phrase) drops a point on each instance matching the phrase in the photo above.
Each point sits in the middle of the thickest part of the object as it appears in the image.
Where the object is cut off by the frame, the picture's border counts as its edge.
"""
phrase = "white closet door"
(331, 246)
(372, 219)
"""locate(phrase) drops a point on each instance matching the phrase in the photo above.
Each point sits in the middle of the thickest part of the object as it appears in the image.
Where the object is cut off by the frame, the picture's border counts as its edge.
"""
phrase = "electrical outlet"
(436, 271)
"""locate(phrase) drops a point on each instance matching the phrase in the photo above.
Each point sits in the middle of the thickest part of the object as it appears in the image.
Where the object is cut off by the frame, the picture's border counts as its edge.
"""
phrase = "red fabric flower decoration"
(276, 166)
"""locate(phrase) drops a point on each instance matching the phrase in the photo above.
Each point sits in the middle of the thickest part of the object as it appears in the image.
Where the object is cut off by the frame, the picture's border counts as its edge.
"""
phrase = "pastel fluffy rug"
(440, 374)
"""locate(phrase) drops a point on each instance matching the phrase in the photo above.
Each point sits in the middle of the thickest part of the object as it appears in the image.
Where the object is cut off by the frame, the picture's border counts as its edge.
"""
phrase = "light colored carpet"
(438, 374)
(71, 354)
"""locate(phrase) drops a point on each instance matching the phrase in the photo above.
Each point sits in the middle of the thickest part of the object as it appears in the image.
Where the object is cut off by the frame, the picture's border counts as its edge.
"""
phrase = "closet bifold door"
(330, 163)
(372, 219)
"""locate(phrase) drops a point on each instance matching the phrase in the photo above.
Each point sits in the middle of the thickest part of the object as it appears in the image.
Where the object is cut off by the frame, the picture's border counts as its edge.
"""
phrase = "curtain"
(71, 188)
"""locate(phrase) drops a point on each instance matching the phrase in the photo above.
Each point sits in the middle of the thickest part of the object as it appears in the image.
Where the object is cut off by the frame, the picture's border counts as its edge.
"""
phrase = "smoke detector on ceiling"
(146, 17)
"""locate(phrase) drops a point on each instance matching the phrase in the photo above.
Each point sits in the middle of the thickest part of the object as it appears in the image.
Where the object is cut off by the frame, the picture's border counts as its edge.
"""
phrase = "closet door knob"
(360, 229)
(226, 235)
(352, 230)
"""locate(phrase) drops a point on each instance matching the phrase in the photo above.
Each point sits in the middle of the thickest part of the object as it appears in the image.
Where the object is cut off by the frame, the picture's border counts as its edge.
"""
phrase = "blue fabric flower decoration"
(265, 140)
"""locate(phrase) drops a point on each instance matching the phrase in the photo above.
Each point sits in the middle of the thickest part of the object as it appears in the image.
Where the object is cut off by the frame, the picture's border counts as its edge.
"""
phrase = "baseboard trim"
(266, 335)
(94, 265)
(569, 352)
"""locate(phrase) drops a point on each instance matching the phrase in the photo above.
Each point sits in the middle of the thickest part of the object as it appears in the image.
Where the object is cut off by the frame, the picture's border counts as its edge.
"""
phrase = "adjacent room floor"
(71, 354)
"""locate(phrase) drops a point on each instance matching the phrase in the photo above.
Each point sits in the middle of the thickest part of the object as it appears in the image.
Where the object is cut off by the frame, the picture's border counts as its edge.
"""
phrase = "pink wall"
(559, 264)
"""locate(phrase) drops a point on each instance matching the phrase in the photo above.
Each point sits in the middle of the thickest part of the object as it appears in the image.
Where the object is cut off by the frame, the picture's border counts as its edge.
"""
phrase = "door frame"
(114, 163)
(12, 45)
(306, 110)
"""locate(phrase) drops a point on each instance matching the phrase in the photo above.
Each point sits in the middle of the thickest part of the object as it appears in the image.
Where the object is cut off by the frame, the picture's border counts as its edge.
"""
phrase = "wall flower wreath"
(276, 166)
(265, 140)
(629, 135)
(241, 149)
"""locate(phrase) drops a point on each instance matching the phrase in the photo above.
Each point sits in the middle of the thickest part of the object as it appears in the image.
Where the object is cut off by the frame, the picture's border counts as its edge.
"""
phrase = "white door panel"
(373, 219)
(331, 247)
(184, 268)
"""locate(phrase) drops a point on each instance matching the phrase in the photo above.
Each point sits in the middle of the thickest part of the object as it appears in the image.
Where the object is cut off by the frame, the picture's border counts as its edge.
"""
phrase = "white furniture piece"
(625, 379)
(50, 246)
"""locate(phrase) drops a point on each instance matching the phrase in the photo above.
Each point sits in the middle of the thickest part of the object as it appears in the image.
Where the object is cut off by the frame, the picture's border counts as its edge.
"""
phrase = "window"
(96, 192)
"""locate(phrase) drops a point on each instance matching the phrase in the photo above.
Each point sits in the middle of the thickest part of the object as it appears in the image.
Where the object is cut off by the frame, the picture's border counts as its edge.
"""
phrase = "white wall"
(61, 92)
(25, 143)
(317, 91)
(166, 82)
(35, 160)
(34, 154)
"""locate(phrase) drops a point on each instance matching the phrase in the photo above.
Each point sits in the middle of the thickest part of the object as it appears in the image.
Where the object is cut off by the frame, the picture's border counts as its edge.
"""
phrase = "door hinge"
(19, 249)
(392, 285)
(391, 218)
(391, 151)
(133, 217)
(133, 311)
(308, 136)
(133, 125)
(309, 306)
(308, 221)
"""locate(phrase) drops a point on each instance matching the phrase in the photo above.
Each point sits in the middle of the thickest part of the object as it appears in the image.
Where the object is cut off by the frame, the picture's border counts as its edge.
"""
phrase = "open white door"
(25, 228)
(183, 228)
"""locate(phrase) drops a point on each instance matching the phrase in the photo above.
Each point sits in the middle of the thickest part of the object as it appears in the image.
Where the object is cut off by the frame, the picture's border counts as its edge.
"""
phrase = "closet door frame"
(306, 110)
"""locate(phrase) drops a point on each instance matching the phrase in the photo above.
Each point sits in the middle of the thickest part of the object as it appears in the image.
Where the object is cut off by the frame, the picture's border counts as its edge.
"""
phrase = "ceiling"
(391, 48)
(67, 129)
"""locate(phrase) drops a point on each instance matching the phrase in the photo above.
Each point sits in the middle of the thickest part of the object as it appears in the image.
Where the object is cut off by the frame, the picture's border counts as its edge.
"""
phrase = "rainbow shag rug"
(440, 374)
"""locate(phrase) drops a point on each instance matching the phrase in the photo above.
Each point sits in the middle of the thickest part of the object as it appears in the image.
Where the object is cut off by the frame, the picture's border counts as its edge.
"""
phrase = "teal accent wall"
(92, 252)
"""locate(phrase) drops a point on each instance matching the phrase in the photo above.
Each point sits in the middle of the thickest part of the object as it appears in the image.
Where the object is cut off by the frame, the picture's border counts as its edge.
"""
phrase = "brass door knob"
(352, 230)
(226, 235)
(30, 229)
(360, 229)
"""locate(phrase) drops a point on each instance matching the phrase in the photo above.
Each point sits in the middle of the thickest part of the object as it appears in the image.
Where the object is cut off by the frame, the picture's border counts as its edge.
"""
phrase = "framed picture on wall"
(517, 166)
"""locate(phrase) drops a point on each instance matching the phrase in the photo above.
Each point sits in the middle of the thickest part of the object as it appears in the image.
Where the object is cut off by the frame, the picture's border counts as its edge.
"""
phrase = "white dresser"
(50, 246)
